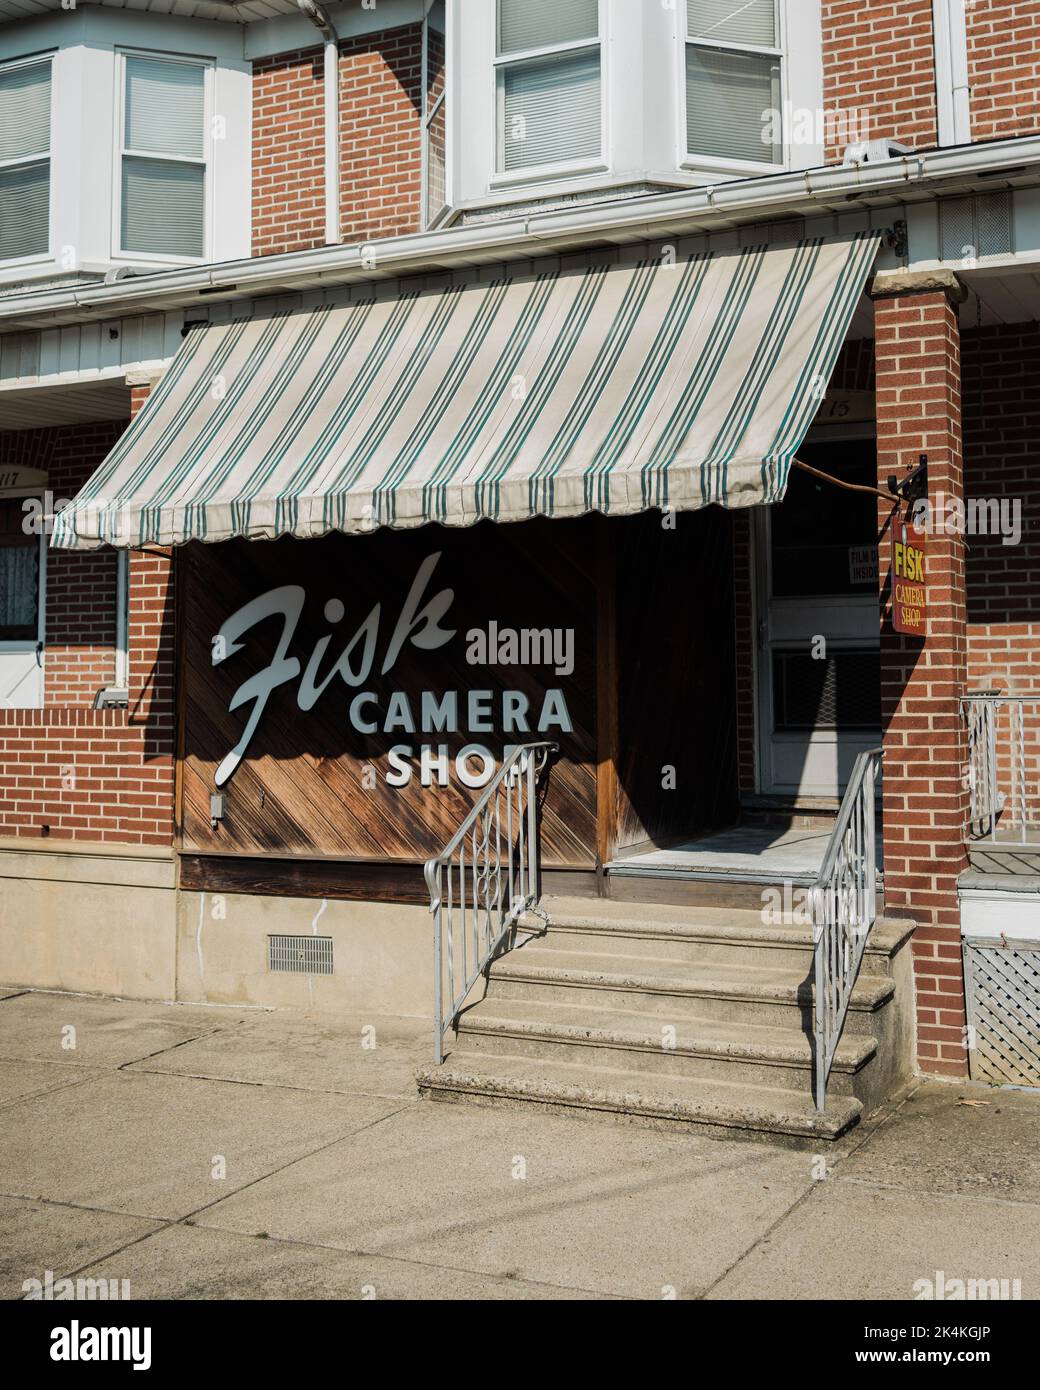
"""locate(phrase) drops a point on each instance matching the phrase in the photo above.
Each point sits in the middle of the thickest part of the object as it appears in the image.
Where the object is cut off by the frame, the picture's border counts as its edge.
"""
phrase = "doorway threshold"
(758, 854)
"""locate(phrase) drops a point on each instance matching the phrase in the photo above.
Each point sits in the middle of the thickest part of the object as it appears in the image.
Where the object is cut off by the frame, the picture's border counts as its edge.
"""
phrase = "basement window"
(25, 165)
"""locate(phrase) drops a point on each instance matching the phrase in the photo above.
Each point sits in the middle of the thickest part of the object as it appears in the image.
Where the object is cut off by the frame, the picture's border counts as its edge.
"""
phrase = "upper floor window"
(163, 193)
(733, 80)
(548, 83)
(25, 166)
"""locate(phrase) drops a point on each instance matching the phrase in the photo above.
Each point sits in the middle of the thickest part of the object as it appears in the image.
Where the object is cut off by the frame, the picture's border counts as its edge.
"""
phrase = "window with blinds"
(548, 83)
(733, 81)
(163, 187)
(25, 166)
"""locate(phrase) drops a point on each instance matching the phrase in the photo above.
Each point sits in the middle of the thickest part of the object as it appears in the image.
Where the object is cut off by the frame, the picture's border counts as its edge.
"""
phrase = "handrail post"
(820, 1079)
(844, 908)
(480, 878)
(438, 985)
(534, 892)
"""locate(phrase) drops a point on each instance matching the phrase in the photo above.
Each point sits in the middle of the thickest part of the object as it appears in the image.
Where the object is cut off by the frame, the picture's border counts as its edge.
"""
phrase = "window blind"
(163, 197)
(550, 110)
(163, 207)
(728, 98)
(24, 210)
(164, 107)
(733, 21)
(527, 24)
(25, 111)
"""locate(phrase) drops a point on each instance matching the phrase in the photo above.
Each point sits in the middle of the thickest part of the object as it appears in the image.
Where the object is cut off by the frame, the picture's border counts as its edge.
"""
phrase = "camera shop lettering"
(511, 714)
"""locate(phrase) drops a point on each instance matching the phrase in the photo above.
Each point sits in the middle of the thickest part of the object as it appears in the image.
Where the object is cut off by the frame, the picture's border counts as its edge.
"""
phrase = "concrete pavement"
(226, 1153)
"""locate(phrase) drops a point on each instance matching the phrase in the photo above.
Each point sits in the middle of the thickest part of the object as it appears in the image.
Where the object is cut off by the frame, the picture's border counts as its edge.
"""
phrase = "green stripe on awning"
(612, 387)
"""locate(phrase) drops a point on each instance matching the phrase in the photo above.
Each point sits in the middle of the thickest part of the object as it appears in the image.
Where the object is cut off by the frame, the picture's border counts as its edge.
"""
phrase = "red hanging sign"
(909, 585)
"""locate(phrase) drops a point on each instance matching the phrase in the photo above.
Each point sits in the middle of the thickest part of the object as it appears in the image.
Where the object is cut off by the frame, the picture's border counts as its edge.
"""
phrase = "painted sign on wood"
(909, 583)
(350, 696)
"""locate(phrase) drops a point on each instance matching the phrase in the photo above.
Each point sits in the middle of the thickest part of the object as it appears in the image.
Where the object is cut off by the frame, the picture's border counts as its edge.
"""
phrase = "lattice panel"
(1003, 987)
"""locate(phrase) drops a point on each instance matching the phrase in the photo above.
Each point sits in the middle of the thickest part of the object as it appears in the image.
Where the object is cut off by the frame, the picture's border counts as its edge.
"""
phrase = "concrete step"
(727, 936)
(675, 990)
(709, 1050)
(666, 1102)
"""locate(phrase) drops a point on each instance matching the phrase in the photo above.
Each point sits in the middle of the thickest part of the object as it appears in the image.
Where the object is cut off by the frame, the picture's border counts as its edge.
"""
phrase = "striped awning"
(614, 387)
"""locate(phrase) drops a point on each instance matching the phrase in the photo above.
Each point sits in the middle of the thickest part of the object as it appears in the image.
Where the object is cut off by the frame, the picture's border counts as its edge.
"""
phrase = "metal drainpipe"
(953, 90)
(323, 24)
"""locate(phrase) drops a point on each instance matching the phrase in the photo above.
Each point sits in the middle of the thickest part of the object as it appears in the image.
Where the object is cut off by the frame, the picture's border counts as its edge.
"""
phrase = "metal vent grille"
(300, 955)
(1003, 989)
(973, 227)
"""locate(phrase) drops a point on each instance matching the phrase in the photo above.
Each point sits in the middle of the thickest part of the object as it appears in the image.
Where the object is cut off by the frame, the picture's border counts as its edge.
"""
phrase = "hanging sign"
(909, 584)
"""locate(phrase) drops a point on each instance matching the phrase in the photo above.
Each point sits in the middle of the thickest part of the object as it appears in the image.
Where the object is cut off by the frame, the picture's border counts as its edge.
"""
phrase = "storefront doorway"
(818, 686)
(23, 555)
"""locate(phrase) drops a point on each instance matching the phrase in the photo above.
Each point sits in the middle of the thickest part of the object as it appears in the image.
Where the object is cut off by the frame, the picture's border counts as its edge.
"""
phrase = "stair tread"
(639, 1093)
(624, 1027)
(536, 962)
(697, 923)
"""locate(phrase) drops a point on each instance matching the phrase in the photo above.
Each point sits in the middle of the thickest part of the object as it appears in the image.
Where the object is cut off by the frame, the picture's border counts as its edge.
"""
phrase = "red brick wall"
(925, 800)
(81, 774)
(288, 152)
(1002, 462)
(70, 771)
(380, 150)
(1004, 67)
(879, 58)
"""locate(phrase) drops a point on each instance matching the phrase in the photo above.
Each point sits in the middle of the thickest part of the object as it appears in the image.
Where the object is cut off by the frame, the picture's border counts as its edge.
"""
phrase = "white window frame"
(36, 257)
(428, 114)
(121, 151)
(545, 173)
(720, 165)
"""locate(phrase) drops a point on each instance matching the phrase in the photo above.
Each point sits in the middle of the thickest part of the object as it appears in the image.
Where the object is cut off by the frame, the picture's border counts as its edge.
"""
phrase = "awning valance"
(615, 387)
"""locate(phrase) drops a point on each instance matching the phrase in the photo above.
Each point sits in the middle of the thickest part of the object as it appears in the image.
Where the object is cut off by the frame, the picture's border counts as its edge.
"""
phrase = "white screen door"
(818, 688)
(23, 557)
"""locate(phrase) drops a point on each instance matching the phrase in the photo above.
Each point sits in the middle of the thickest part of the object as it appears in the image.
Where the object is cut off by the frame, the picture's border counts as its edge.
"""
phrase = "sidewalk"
(218, 1153)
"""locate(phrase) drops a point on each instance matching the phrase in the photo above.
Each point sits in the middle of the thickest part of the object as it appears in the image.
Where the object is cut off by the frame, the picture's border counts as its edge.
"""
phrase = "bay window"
(163, 182)
(434, 111)
(734, 81)
(25, 166)
(548, 84)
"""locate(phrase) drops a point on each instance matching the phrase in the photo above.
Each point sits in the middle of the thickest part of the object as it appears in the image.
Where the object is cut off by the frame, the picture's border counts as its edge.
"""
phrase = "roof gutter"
(831, 189)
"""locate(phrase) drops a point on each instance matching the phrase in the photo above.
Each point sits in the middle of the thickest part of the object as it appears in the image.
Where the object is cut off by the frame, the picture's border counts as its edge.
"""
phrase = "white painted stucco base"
(109, 920)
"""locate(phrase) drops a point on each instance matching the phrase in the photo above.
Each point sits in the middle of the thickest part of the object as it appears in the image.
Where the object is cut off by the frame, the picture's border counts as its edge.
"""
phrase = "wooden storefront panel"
(309, 783)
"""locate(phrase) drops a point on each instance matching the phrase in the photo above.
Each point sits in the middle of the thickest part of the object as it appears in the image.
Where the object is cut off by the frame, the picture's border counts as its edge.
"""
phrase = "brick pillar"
(152, 674)
(925, 741)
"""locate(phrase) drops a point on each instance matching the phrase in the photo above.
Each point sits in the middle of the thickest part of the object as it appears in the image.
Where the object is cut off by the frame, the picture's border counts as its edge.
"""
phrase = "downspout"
(323, 24)
(952, 89)
(122, 671)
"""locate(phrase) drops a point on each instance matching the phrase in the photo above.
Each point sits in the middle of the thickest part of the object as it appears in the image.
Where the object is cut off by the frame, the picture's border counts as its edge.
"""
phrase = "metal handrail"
(498, 883)
(986, 801)
(844, 908)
